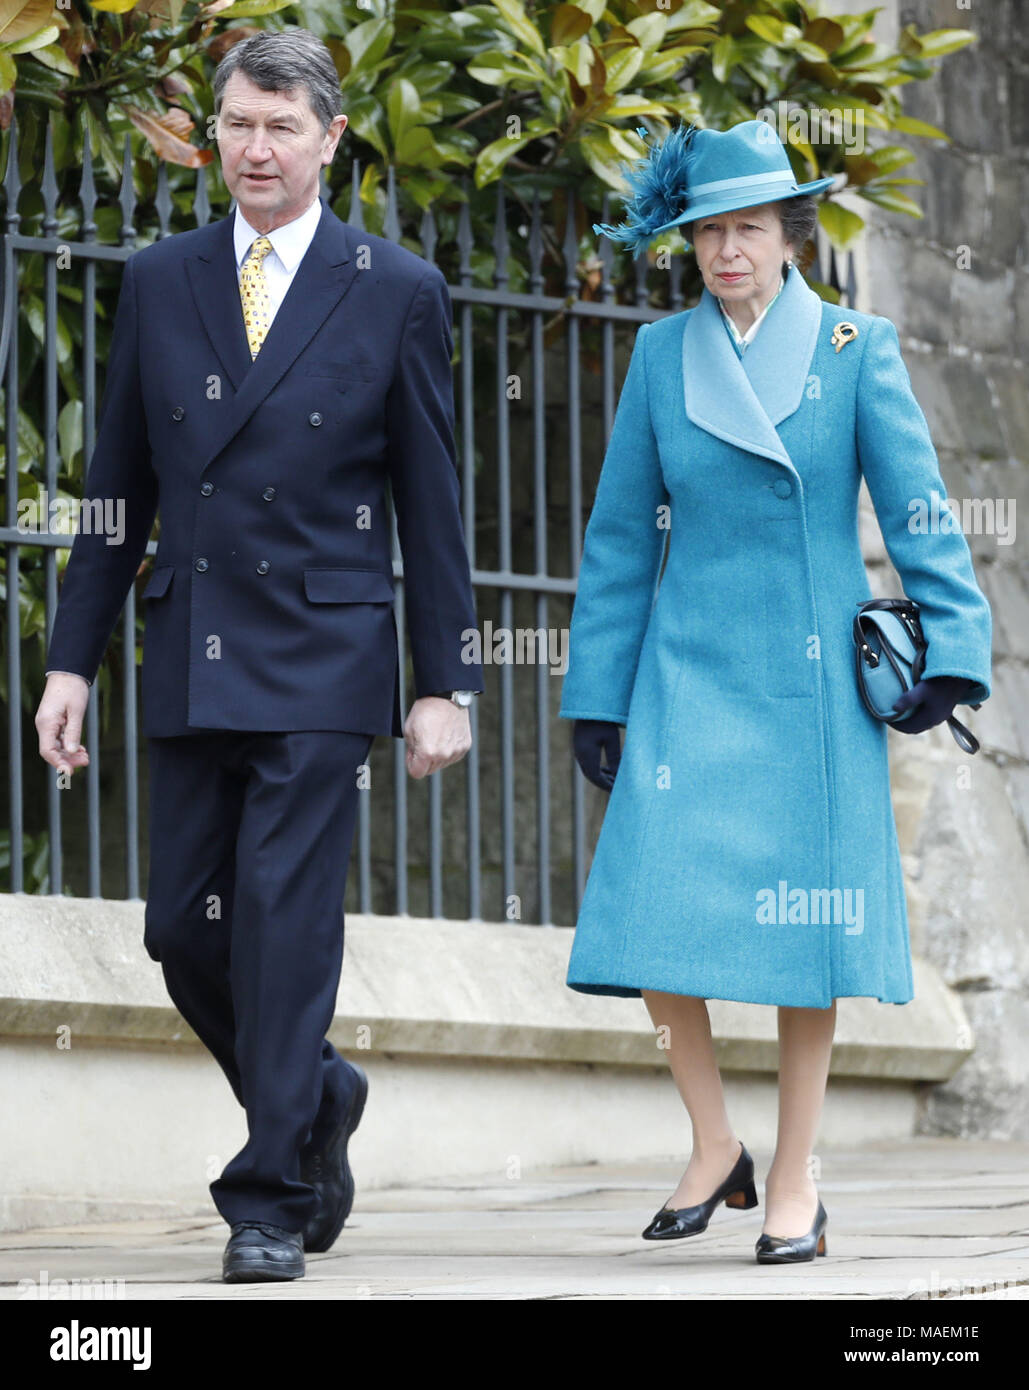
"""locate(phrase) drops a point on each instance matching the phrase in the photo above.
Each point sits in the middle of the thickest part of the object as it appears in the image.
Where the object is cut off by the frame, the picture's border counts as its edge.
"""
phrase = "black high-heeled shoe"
(737, 1191)
(782, 1250)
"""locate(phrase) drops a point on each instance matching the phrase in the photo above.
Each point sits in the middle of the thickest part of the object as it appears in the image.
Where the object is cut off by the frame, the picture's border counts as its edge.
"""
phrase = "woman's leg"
(691, 1056)
(805, 1045)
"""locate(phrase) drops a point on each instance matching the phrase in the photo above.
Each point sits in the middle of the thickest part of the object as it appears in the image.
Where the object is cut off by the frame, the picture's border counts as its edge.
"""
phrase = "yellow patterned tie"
(253, 290)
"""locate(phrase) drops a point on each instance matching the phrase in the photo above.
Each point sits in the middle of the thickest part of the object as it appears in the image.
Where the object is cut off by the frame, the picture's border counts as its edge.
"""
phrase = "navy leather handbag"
(890, 654)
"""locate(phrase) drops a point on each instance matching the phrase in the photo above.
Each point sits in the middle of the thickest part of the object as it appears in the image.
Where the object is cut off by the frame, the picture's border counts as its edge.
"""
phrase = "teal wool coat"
(748, 849)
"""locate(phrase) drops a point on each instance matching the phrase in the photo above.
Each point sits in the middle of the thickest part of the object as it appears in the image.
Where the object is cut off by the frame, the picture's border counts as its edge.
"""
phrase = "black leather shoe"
(737, 1191)
(328, 1172)
(258, 1252)
(785, 1250)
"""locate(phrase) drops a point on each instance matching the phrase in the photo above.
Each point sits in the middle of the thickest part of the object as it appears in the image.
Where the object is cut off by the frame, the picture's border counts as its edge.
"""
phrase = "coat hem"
(625, 991)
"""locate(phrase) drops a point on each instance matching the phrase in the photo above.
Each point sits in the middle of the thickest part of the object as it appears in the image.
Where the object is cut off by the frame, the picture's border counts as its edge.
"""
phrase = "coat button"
(178, 413)
(206, 489)
(782, 487)
(268, 494)
(263, 567)
(314, 418)
(201, 565)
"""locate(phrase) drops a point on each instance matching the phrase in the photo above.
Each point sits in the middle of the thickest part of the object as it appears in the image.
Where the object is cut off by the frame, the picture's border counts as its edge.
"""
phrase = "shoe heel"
(744, 1199)
(821, 1248)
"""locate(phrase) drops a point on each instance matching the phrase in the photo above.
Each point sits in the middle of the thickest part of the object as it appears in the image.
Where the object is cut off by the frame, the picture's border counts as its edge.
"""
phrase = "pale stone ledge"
(441, 989)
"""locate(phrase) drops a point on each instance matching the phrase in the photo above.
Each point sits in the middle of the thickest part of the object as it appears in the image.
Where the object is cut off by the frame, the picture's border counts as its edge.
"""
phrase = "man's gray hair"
(282, 61)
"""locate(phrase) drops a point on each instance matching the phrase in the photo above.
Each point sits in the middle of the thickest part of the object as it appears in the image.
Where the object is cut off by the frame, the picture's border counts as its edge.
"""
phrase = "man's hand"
(59, 721)
(437, 733)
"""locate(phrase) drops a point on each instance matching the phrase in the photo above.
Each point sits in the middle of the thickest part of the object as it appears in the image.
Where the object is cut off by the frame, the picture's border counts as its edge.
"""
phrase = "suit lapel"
(323, 277)
(741, 400)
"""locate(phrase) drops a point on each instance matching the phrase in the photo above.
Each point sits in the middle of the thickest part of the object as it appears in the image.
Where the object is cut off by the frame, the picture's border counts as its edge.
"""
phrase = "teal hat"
(697, 173)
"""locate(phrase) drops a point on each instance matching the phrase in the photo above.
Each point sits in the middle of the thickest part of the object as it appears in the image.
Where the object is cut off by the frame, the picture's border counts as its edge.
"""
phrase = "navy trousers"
(250, 837)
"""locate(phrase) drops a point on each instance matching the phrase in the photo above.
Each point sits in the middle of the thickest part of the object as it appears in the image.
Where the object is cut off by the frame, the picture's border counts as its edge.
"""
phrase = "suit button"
(782, 487)
(206, 489)
(178, 413)
(268, 494)
(201, 565)
(263, 567)
(314, 418)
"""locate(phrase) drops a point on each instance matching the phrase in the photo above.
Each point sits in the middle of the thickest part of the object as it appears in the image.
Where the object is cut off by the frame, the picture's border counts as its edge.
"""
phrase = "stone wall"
(964, 822)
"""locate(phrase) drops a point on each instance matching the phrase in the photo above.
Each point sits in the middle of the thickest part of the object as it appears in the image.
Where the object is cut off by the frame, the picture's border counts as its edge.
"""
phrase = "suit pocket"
(157, 585)
(348, 586)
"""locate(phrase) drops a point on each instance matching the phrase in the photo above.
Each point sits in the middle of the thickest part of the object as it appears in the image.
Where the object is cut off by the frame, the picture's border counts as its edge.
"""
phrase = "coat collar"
(322, 279)
(741, 400)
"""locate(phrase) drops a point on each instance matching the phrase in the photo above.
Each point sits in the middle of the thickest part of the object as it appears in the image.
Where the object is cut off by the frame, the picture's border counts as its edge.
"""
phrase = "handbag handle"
(963, 737)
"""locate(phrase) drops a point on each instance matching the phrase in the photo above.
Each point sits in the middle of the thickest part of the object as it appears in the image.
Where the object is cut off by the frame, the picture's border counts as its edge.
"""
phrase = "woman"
(749, 850)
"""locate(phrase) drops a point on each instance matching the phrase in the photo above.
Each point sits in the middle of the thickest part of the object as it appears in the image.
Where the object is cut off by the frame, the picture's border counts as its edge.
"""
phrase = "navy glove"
(590, 738)
(932, 702)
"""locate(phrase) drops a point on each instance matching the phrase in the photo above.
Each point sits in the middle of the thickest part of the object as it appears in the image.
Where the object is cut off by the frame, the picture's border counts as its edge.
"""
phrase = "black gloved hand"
(591, 737)
(931, 701)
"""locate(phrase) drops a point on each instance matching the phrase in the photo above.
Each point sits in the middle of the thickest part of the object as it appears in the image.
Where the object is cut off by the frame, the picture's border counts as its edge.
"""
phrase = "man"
(268, 373)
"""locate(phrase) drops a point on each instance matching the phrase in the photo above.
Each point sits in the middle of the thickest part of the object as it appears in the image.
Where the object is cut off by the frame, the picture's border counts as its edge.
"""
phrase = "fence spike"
(127, 196)
(48, 183)
(12, 178)
(87, 190)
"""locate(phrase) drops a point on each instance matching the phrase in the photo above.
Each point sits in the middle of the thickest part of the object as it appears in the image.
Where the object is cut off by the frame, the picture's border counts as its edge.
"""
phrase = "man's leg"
(292, 852)
(196, 800)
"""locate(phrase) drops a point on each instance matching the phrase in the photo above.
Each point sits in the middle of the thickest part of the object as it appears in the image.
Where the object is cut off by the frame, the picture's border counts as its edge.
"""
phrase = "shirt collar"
(741, 339)
(289, 242)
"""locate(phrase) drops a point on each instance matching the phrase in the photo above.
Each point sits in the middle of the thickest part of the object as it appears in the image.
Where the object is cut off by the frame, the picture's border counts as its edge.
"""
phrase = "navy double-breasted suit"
(270, 651)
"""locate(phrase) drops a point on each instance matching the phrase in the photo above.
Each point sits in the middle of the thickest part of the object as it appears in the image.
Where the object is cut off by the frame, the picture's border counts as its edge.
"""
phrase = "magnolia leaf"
(69, 431)
(842, 226)
(824, 32)
(514, 16)
(890, 199)
(568, 24)
(825, 292)
(403, 107)
(47, 35)
(54, 56)
(495, 155)
(649, 30)
(21, 18)
(165, 142)
(622, 67)
(251, 9)
(942, 41)
(910, 126)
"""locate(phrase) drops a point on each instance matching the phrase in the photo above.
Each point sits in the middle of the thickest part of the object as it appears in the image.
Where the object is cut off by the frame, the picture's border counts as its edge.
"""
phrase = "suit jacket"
(270, 606)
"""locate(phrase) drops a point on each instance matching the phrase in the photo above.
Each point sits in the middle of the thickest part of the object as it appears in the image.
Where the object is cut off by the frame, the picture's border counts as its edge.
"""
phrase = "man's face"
(272, 150)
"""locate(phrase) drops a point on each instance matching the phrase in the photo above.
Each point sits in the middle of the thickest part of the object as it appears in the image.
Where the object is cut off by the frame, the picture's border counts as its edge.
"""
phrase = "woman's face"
(740, 254)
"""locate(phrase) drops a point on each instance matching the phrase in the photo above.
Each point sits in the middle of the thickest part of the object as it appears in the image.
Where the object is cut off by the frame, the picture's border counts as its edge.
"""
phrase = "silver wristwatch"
(463, 698)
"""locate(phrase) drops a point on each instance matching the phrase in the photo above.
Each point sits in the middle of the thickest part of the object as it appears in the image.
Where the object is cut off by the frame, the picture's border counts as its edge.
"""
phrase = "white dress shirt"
(289, 244)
